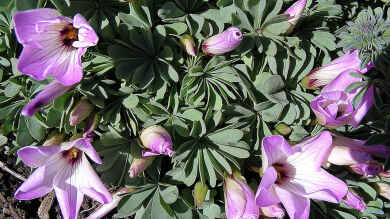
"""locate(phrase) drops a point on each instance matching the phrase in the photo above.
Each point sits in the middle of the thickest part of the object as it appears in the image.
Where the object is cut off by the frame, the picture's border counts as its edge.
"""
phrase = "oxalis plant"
(237, 109)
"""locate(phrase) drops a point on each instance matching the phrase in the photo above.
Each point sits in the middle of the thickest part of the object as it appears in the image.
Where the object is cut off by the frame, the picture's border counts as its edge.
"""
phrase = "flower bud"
(104, 209)
(354, 201)
(383, 189)
(157, 139)
(80, 112)
(274, 211)
(92, 123)
(283, 129)
(54, 139)
(368, 169)
(224, 42)
(51, 92)
(188, 43)
(139, 165)
(239, 198)
(200, 192)
(295, 12)
(322, 76)
(347, 151)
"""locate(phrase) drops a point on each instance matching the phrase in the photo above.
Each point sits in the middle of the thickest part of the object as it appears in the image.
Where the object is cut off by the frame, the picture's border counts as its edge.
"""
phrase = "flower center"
(72, 155)
(68, 35)
(282, 173)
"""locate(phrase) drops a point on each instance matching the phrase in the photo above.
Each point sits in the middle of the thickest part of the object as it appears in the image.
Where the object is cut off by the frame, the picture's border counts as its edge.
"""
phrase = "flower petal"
(265, 195)
(316, 185)
(235, 201)
(34, 157)
(90, 184)
(313, 152)
(275, 149)
(251, 210)
(363, 107)
(297, 207)
(67, 192)
(41, 180)
(69, 70)
(84, 144)
(86, 35)
(342, 81)
(25, 22)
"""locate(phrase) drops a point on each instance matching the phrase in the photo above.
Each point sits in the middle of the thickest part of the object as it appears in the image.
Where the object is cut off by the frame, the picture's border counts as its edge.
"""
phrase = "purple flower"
(239, 198)
(188, 43)
(274, 211)
(139, 165)
(80, 112)
(295, 12)
(224, 42)
(293, 175)
(51, 92)
(354, 201)
(322, 76)
(346, 151)
(157, 139)
(65, 169)
(333, 107)
(104, 209)
(53, 44)
(368, 169)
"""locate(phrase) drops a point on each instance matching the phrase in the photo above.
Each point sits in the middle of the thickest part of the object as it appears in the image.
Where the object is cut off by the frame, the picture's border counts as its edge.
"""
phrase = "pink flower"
(293, 175)
(354, 201)
(65, 169)
(239, 198)
(52, 44)
(347, 151)
(333, 107)
(224, 42)
(295, 12)
(322, 76)
(157, 139)
(51, 92)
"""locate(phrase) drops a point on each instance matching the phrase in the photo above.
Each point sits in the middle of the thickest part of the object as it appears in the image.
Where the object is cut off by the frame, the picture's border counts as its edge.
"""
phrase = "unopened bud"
(200, 192)
(188, 43)
(383, 189)
(283, 129)
(92, 123)
(368, 169)
(80, 112)
(157, 139)
(54, 139)
(139, 165)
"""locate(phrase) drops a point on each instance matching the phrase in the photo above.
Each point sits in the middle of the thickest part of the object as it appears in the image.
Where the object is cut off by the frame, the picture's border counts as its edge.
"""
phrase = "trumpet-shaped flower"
(333, 107)
(239, 198)
(66, 169)
(224, 42)
(52, 44)
(322, 76)
(293, 175)
(52, 91)
(295, 11)
(157, 139)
